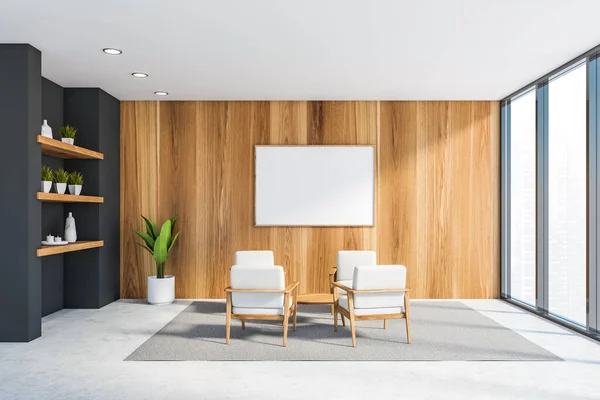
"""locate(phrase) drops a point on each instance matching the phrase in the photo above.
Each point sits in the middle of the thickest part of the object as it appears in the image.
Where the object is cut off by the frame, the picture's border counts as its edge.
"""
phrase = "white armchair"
(376, 292)
(343, 272)
(258, 292)
(347, 260)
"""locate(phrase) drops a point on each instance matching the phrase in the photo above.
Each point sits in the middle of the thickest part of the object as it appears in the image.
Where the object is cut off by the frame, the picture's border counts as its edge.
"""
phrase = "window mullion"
(542, 198)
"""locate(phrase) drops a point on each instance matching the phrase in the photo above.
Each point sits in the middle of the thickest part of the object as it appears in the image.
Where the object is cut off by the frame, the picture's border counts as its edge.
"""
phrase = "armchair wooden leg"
(407, 316)
(286, 317)
(243, 324)
(285, 331)
(343, 320)
(228, 320)
(335, 323)
(352, 321)
(385, 324)
(295, 315)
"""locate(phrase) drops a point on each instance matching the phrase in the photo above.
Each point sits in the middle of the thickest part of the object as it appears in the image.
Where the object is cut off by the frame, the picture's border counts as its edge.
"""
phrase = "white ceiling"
(303, 49)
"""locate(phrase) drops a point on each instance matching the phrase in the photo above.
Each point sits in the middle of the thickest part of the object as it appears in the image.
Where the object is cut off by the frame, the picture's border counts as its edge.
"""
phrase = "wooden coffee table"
(316, 298)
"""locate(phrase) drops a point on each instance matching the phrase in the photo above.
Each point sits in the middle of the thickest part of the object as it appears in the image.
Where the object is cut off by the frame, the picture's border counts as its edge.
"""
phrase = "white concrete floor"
(80, 356)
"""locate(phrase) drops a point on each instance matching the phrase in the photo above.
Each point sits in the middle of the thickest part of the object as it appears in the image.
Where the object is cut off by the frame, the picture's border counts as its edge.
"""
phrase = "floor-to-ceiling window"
(567, 192)
(550, 206)
(522, 196)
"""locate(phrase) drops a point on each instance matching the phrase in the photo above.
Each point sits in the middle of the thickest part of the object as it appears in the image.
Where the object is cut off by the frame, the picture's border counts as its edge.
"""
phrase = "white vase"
(70, 230)
(46, 130)
(68, 140)
(61, 187)
(161, 291)
(75, 189)
(46, 186)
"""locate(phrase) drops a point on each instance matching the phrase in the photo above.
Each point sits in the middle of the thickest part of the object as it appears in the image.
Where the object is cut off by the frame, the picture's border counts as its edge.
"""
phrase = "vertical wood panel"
(398, 213)
(439, 203)
(437, 191)
(139, 188)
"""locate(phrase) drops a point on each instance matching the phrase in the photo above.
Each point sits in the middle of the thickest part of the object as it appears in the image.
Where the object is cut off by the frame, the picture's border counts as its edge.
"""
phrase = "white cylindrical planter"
(61, 187)
(46, 186)
(161, 291)
(68, 140)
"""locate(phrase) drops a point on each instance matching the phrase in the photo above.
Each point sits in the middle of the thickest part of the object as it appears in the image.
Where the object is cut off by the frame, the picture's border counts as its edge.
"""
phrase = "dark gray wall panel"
(81, 268)
(52, 213)
(20, 212)
(92, 276)
(109, 187)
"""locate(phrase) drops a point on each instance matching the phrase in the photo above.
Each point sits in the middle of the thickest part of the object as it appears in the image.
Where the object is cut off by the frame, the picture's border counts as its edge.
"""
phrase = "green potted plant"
(67, 133)
(47, 176)
(161, 288)
(61, 177)
(75, 183)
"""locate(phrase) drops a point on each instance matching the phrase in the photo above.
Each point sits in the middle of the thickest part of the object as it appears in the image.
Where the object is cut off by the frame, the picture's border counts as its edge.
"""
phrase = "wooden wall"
(437, 194)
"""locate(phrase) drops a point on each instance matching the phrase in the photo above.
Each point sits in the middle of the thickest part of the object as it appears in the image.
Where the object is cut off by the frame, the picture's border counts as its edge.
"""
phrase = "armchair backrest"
(254, 257)
(348, 259)
(257, 277)
(368, 277)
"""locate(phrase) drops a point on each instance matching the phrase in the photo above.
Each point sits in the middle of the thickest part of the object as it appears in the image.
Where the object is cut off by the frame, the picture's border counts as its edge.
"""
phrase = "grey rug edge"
(552, 356)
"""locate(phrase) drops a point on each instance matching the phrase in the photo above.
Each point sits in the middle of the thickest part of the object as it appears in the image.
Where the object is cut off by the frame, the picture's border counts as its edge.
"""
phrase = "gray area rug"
(444, 331)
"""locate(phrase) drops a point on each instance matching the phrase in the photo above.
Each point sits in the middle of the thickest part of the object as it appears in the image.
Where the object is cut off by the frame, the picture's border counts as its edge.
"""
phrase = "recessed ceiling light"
(159, 93)
(112, 52)
(140, 75)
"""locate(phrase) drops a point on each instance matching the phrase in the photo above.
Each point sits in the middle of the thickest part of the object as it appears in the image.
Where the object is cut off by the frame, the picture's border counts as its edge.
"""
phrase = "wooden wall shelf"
(81, 245)
(56, 148)
(67, 198)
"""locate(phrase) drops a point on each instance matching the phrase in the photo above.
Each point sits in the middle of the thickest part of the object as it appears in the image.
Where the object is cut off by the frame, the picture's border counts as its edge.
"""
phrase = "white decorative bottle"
(70, 231)
(46, 130)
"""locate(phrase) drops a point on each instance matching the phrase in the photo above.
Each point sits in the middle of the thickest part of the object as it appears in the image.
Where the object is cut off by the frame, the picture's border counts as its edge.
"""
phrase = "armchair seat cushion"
(347, 283)
(343, 302)
(258, 311)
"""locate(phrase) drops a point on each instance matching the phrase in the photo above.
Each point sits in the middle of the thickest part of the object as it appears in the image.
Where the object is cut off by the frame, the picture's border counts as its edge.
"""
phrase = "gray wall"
(92, 276)
(30, 286)
(20, 212)
(52, 213)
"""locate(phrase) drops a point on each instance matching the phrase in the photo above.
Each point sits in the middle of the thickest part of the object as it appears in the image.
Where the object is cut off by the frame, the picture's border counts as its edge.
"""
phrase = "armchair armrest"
(342, 286)
(291, 287)
(349, 290)
(332, 271)
(230, 290)
(381, 290)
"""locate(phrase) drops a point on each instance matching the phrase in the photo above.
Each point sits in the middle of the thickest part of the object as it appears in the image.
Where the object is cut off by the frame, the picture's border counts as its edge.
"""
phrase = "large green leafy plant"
(159, 243)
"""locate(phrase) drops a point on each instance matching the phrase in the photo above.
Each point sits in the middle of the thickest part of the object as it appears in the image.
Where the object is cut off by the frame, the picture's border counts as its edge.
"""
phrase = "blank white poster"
(315, 186)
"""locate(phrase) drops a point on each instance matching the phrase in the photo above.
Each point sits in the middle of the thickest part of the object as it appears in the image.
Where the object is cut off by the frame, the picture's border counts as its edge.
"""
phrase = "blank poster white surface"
(315, 185)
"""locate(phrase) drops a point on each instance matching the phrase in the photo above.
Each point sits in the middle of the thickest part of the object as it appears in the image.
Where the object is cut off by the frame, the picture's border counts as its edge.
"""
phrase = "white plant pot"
(61, 187)
(75, 189)
(46, 186)
(68, 140)
(161, 291)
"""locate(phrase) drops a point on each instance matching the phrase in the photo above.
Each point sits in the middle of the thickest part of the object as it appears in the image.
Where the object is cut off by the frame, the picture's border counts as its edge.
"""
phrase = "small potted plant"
(61, 177)
(161, 288)
(67, 133)
(47, 176)
(75, 183)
